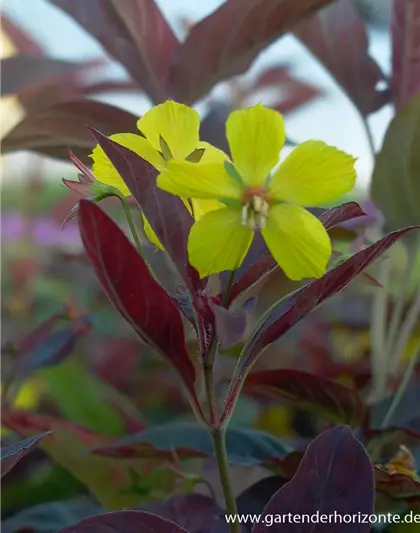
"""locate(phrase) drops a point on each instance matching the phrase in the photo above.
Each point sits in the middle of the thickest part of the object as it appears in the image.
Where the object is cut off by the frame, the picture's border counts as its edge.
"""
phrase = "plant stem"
(395, 322)
(210, 392)
(131, 224)
(401, 389)
(369, 137)
(378, 363)
(407, 329)
(219, 442)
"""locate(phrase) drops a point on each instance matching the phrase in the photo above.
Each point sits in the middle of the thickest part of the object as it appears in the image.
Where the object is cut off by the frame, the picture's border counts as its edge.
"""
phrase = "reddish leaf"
(396, 485)
(24, 42)
(134, 33)
(293, 93)
(405, 51)
(337, 37)
(40, 333)
(337, 402)
(299, 304)
(52, 130)
(10, 455)
(132, 290)
(334, 477)
(21, 71)
(28, 423)
(205, 59)
(194, 512)
(125, 522)
(165, 212)
(53, 348)
(330, 218)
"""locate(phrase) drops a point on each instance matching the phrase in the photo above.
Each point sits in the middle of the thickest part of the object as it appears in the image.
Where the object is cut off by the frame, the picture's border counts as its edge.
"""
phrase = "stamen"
(255, 212)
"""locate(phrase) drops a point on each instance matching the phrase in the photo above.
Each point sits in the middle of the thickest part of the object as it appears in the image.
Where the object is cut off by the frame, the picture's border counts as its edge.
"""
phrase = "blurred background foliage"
(68, 359)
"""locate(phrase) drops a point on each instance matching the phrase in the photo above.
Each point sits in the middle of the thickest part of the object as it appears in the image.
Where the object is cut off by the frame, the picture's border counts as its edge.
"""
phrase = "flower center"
(255, 212)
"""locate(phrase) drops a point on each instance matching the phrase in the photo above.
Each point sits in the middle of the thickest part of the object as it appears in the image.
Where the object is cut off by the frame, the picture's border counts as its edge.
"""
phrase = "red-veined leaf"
(336, 35)
(51, 131)
(206, 59)
(132, 290)
(134, 33)
(284, 315)
(405, 51)
(165, 212)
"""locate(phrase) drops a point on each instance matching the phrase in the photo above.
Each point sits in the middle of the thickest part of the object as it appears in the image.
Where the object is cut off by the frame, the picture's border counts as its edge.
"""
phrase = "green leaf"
(79, 396)
(245, 447)
(396, 176)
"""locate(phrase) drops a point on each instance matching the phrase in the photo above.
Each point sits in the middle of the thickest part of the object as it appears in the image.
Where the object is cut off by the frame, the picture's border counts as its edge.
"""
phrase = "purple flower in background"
(43, 231)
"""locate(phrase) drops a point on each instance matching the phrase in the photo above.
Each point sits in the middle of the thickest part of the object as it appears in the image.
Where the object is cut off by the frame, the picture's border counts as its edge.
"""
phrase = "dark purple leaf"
(337, 37)
(134, 33)
(194, 512)
(21, 71)
(54, 348)
(299, 304)
(165, 212)
(212, 127)
(51, 131)
(132, 290)
(334, 477)
(39, 334)
(335, 401)
(253, 500)
(24, 42)
(405, 51)
(124, 522)
(10, 455)
(205, 59)
(266, 264)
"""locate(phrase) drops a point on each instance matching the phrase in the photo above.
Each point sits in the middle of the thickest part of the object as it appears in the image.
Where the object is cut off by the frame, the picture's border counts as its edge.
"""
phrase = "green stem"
(401, 390)
(218, 436)
(369, 136)
(407, 329)
(131, 225)
(379, 364)
(395, 322)
(226, 295)
(210, 392)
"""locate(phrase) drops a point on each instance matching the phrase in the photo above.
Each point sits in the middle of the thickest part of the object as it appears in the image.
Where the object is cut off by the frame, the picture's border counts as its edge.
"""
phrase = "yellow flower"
(169, 131)
(254, 198)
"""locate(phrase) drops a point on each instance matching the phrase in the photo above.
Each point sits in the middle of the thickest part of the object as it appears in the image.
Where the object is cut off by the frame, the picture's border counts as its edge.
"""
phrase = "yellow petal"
(201, 207)
(177, 123)
(150, 234)
(313, 174)
(255, 137)
(105, 172)
(218, 241)
(197, 180)
(298, 241)
(212, 154)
